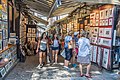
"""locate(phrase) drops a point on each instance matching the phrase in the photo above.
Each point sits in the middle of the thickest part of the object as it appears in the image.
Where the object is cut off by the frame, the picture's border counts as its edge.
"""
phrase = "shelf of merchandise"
(9, 53)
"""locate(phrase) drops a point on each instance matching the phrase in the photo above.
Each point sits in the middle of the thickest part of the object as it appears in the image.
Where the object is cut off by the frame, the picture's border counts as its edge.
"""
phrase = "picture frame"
(97, 22)
(92, 16)
(29, 35)
(106, 42)
(106, 53)
(108, 32)
(97, 16)
(96, 30)
(33, 30)
(110, 22)
(33, 35)
(111, 11)
(105, 63)
(106, 22)
(106, 13)
(12, 34)
(103, 22)
(94, 23)
(91, 22)
(99, 55)
(29, 39)
(94, 40)
(29, 30)
(12, 40)
(101, 32)
(100, 40)
(33, 39)
(102, 14)
(94, 35)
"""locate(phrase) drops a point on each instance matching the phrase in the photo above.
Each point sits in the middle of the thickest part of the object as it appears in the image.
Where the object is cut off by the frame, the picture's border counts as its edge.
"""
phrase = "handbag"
(70, 46)
(63, 54)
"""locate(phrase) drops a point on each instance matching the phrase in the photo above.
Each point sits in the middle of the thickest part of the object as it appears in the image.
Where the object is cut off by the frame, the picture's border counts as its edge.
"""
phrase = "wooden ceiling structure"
(50, 8)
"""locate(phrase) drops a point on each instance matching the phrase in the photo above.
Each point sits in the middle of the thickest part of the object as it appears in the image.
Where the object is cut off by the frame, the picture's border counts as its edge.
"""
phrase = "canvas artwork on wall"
(108, 32)
(102, 14)
(29, 39)
(29, 30)
(33, 30)
(111, 10)
(101, 32)
(110, 21)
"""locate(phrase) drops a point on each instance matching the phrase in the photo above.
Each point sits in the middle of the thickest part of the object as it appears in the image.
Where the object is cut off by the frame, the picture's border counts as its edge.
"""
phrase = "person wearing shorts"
(42, 49)
(68, 51)
(55, 48)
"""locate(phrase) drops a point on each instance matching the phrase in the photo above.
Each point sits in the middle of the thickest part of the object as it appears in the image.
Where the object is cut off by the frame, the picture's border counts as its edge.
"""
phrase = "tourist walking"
(42, 48)
(55, 48)
(68, 50)
(84, 54)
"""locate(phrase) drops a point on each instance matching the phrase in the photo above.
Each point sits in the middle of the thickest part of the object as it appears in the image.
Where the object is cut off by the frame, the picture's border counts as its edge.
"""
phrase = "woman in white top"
(42, 48)
(55, 48)
(84, 54)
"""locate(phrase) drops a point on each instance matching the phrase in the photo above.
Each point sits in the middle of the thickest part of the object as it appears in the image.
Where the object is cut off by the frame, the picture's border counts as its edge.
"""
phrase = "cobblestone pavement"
(28, 71)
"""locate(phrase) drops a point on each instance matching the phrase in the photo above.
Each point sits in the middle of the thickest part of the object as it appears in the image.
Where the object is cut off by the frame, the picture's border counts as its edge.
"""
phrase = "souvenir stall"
(103, 36)
(6, 50)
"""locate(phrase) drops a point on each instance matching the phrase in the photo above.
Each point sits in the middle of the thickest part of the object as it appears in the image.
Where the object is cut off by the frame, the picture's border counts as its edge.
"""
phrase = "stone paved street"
(28, 71)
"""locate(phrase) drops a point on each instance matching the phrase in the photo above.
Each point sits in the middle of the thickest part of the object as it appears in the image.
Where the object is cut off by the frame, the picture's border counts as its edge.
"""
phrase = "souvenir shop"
(15, 32)
(102, 22)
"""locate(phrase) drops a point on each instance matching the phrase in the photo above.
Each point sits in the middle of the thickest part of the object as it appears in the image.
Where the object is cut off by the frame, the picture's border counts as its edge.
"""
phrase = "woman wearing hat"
(84, 54)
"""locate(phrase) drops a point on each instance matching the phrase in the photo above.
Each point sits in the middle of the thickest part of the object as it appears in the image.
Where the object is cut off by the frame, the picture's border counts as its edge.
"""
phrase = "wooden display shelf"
(9, 46)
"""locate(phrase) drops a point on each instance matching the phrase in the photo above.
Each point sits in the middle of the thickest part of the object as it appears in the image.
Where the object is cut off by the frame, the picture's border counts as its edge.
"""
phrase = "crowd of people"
(76, 47)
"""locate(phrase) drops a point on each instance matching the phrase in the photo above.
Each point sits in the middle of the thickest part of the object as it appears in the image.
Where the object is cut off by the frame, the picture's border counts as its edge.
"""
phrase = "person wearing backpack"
(68, 50)
(42, 48)
(55, 48)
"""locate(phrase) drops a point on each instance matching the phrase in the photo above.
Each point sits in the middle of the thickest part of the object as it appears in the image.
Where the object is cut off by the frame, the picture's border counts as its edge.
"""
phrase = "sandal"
(81, 75)
(88, 76)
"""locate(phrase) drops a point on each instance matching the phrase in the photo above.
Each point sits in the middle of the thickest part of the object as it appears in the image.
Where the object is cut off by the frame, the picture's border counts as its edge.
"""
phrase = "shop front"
(102, 23)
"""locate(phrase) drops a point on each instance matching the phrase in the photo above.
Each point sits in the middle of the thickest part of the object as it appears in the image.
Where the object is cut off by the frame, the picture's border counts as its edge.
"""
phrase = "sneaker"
(39, 66)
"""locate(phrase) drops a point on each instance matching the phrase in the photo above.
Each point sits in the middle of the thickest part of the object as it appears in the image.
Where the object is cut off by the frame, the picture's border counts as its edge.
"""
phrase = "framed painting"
(33, 30)
(29, 30)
